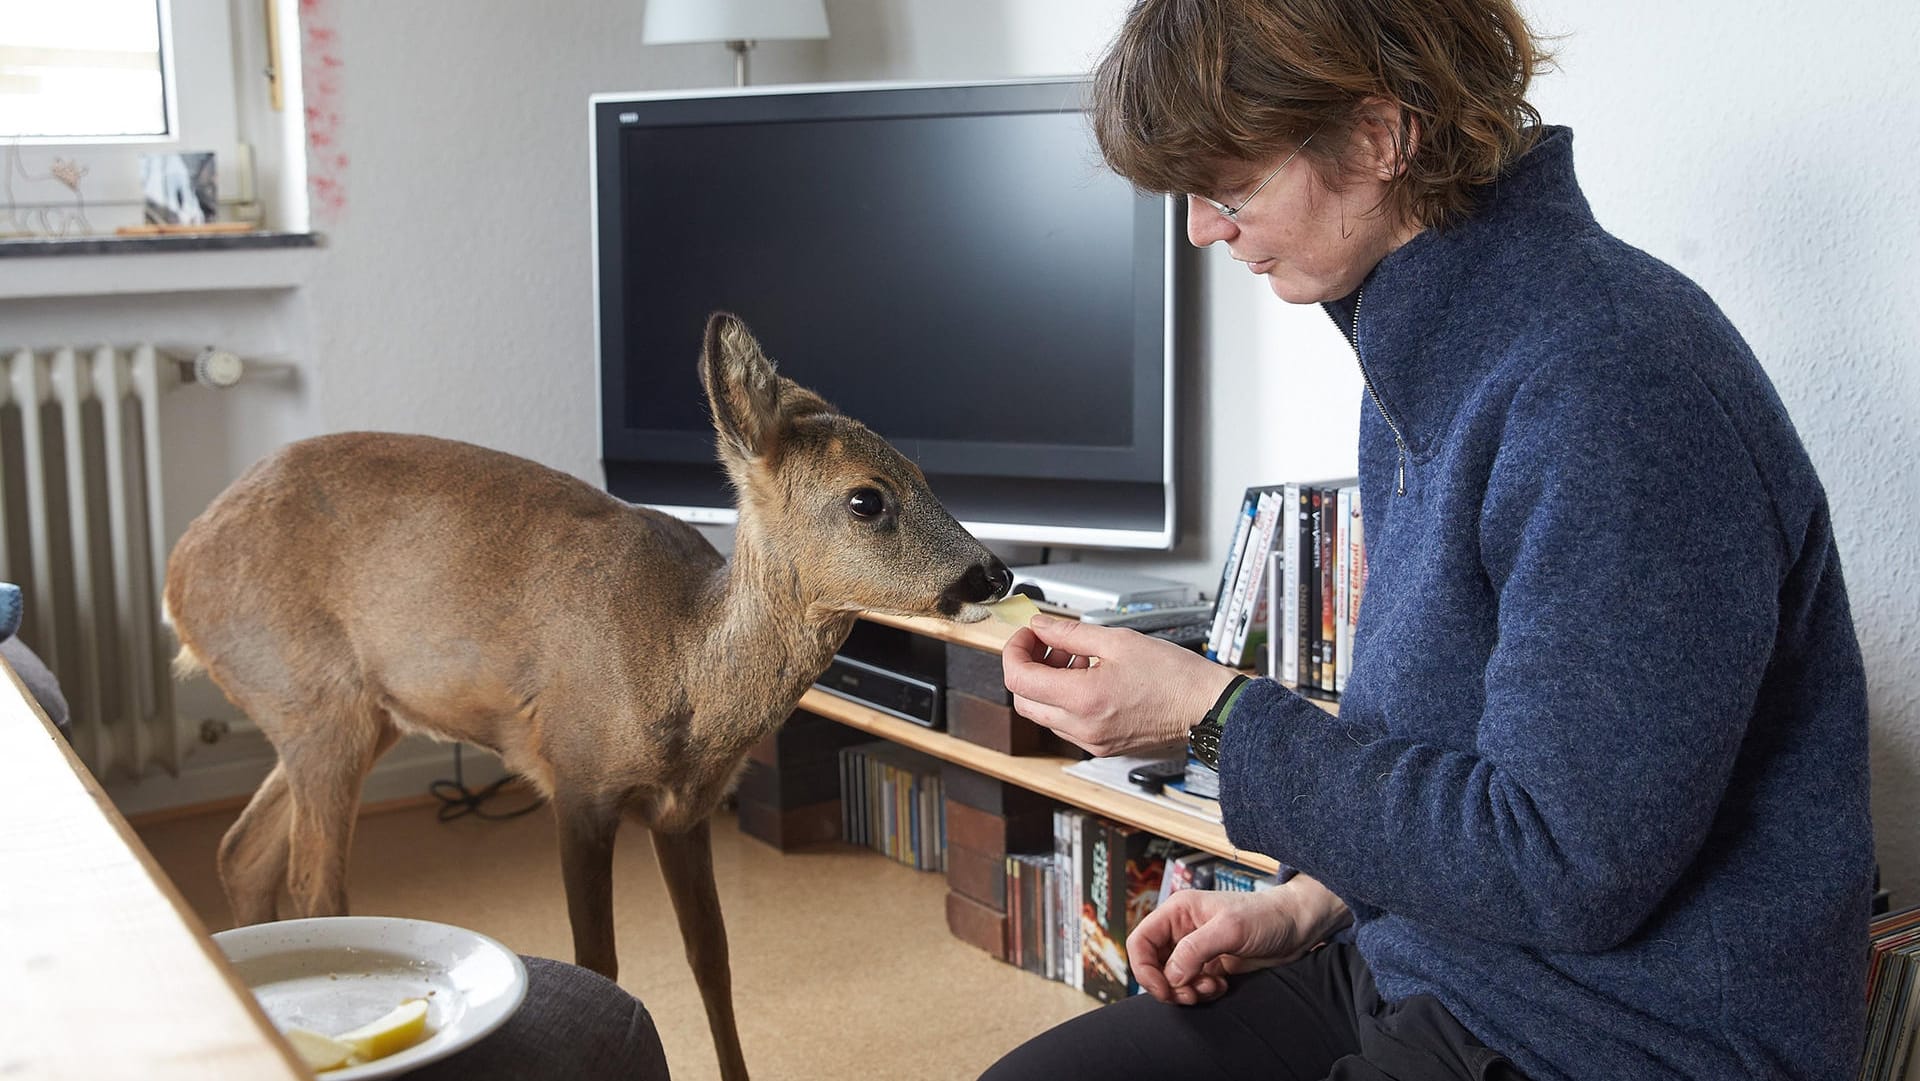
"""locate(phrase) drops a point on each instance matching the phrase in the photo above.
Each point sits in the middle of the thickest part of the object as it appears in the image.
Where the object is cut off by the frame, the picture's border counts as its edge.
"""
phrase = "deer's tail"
(186, 663)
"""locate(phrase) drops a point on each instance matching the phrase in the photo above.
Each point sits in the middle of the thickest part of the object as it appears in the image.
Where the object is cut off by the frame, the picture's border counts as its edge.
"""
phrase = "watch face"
(1203, 742)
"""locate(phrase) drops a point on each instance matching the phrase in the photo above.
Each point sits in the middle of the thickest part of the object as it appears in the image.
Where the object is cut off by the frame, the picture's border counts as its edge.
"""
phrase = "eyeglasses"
(1232, 213)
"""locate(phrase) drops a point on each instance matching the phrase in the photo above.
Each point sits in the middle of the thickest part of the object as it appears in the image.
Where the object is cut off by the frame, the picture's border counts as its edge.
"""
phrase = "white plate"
(336, 973)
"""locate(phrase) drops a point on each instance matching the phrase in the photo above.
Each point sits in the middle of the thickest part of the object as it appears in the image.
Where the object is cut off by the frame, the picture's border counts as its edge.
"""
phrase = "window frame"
(202, 85)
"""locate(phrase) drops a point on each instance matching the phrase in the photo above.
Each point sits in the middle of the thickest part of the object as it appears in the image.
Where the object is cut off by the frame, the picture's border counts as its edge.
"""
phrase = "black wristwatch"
(1203, 739)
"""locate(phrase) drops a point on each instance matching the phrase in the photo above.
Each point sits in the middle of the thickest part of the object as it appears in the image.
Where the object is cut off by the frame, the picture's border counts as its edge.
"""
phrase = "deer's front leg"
(686, 862)
(586, 866)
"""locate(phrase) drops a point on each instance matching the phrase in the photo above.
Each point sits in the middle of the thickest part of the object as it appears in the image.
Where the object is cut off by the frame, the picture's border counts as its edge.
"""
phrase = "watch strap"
(1218, 714)
(1203, 739)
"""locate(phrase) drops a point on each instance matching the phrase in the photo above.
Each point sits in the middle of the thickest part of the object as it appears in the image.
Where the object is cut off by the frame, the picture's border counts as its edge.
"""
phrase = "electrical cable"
(456, 799)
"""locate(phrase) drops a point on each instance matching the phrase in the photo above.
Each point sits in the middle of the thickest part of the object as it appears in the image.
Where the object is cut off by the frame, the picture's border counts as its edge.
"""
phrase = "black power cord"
(456, 799)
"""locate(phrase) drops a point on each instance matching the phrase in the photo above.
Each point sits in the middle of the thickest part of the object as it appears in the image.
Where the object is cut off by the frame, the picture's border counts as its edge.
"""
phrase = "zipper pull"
(1400, 474)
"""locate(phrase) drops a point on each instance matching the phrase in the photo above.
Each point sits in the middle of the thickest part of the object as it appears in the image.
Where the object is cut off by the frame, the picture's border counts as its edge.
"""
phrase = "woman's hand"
(1184, 950)
(1108, 689)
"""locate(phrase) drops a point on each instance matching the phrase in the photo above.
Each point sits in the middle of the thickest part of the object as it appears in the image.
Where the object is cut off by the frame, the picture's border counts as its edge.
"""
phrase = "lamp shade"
(674, 22)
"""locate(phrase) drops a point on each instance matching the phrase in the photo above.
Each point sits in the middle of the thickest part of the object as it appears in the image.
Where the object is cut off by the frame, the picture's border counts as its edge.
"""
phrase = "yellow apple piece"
(317, 1051)
(1016, 609)
(398, 1030)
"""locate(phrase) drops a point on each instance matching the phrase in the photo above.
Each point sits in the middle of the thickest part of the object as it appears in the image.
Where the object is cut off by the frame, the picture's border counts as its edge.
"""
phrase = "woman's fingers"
(1085, 639)
(1022, 647)
(1060, 658)
(1057, 677)
(1148, 946)
(1218, 935)
(1039, 713)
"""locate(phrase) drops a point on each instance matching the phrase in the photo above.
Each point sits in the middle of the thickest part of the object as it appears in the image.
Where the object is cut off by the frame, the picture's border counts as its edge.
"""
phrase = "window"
(89, 86)
(84, 71)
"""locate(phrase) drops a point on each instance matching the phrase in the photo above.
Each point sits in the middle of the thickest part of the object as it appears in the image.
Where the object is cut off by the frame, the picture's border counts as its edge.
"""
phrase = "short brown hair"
(1190, 83)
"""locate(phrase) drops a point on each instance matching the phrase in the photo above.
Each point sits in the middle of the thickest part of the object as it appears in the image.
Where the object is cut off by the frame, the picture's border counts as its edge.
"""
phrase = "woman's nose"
(1206, 224)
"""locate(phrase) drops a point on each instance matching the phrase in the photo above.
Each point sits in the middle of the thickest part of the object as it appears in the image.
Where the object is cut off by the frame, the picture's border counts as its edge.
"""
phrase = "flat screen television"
(950, 264)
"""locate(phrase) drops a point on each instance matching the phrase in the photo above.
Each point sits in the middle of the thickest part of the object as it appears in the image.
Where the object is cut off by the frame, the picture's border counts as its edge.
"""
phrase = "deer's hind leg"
(686, 863)
(324, 768)
(253, 855)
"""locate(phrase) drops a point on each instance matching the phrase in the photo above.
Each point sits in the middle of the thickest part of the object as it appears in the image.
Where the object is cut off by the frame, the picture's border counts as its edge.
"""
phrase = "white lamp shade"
(675, 22)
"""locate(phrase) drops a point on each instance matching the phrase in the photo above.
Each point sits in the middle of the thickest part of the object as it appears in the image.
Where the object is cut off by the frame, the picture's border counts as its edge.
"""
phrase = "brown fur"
(352, 587)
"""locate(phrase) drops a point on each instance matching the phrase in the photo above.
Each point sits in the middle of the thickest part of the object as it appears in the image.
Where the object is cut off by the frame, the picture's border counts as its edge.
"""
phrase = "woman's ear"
(1385, 135)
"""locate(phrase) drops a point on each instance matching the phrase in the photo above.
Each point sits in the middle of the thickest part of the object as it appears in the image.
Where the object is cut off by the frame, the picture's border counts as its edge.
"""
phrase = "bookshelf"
(1037, 773)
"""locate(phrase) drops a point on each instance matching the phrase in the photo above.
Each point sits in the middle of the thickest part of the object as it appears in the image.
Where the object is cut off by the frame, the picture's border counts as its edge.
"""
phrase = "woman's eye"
(867, 503)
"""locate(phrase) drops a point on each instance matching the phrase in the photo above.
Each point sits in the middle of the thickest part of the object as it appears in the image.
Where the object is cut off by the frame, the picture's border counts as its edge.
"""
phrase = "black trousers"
(1318, 1019)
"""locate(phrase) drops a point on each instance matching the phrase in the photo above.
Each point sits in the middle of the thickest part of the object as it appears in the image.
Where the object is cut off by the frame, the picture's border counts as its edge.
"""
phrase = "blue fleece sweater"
(1599, 778)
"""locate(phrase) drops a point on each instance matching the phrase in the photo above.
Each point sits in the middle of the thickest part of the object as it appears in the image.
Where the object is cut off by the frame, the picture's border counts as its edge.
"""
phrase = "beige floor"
(842, 962)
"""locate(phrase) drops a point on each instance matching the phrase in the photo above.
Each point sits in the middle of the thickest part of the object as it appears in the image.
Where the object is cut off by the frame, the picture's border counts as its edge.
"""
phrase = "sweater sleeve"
(1633, 560)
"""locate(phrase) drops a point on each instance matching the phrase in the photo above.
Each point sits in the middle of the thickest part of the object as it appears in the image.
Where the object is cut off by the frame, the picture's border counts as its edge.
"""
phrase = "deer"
(350, 588)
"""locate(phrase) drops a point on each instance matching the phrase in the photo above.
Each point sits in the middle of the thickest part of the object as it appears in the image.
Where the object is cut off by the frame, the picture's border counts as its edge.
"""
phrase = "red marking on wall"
(322, 81)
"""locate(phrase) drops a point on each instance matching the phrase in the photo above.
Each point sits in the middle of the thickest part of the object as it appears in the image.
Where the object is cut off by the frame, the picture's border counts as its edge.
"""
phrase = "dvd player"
(1089, 587)
(893, 693)
(895, 671)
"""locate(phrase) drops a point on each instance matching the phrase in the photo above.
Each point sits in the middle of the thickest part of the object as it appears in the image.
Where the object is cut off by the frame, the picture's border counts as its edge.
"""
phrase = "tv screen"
(951, 265)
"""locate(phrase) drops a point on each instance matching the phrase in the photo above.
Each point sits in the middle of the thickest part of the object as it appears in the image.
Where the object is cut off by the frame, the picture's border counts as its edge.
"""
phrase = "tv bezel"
(603, 120)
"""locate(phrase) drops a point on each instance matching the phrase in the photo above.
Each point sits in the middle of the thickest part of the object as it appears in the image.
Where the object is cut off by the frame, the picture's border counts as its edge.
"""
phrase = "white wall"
(1755, 145)
(1766, 148)
(456, 298)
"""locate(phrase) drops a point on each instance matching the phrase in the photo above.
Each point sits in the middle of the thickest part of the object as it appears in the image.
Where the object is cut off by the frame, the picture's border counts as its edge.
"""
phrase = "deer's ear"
(741, 386)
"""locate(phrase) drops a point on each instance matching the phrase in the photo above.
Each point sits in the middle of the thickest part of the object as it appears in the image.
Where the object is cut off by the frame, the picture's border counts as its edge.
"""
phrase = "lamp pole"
(740, 24)
(740, 49)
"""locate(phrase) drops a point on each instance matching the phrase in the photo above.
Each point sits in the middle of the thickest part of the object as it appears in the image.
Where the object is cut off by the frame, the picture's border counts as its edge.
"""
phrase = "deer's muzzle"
(984, 583)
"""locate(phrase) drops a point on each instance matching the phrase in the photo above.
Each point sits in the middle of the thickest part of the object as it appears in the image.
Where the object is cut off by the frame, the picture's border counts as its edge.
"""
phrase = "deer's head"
(851, 519)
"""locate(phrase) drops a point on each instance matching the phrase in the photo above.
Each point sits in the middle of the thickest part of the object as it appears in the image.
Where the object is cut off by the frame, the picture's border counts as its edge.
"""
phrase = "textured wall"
(456, 295)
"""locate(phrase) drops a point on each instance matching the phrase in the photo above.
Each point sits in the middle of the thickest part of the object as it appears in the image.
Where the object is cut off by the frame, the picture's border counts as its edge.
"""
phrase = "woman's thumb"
(1062, 633)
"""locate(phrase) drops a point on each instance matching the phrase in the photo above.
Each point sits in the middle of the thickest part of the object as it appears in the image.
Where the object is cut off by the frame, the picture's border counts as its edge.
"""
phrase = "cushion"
(33, 672)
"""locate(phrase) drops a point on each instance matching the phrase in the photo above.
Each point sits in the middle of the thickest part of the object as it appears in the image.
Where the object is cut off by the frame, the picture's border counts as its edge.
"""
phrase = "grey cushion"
(40, 682)
(575, 1025)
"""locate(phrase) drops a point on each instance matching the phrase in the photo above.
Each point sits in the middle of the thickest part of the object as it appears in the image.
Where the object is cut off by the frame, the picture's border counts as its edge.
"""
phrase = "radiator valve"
(213, 367)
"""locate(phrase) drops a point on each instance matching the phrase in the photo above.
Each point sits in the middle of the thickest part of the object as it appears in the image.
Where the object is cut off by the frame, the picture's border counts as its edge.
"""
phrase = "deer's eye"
(867, 503)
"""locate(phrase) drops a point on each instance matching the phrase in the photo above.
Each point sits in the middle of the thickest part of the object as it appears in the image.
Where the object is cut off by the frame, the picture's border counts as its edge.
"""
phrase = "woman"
(1595, 805)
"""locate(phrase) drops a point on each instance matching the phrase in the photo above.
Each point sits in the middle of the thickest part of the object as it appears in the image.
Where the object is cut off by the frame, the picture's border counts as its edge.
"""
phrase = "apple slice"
(317, 1051)
(1017, 609)
(400, 1029)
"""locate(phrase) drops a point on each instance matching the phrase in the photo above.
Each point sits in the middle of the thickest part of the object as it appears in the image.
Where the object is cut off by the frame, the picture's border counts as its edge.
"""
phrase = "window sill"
(115, 266)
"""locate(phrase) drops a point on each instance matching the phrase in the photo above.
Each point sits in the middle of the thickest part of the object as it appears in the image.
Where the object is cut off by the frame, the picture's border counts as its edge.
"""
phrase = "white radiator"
(83, 533)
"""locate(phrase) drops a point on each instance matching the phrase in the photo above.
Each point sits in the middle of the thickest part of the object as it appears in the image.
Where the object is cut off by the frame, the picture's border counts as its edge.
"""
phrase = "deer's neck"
(770, 640)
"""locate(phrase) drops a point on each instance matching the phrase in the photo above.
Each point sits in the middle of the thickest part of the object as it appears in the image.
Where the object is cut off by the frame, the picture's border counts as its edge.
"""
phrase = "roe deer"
(353, 587)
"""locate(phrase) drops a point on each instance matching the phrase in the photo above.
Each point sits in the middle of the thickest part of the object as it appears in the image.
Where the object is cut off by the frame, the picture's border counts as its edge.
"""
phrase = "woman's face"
(1311, 241)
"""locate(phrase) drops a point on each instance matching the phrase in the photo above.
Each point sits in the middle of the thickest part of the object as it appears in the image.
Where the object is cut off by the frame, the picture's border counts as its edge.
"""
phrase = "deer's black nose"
(999, 579)
(984, 582)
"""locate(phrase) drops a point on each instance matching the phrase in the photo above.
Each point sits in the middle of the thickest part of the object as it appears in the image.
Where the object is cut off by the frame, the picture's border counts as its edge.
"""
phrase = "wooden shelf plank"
(988, 634)
(1038, 773)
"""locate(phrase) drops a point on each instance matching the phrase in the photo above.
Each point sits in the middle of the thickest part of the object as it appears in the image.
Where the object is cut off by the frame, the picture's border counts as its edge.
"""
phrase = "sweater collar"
(1428, 298)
